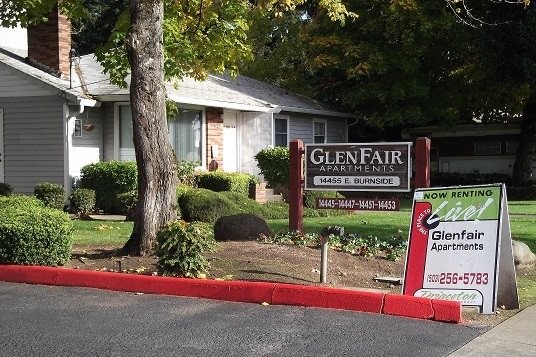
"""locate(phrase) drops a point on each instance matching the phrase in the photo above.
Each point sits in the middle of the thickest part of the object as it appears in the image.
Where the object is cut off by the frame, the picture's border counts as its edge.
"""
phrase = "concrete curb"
(240, 291)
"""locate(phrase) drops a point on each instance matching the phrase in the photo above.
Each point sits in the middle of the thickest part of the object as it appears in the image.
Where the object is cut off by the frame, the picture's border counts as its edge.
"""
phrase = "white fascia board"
(279, 109)
(219, 104)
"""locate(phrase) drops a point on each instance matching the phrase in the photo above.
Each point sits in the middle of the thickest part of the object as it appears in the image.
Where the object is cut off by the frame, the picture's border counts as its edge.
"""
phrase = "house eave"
(281, 108)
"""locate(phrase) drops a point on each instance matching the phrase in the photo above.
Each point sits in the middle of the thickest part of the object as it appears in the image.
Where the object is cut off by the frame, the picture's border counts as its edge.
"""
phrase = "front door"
(1, 145)
(229, 142)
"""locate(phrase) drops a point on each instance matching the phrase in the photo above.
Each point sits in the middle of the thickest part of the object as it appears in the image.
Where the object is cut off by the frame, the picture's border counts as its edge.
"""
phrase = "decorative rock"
(243, 226)
(522, 254)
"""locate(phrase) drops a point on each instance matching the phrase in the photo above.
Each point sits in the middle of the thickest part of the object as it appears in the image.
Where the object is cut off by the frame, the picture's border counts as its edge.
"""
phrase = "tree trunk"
(526, 152)
(157, 174)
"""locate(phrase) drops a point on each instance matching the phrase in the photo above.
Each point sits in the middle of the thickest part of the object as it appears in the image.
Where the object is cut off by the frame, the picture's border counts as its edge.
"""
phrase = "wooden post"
(422, 162)
(295, 216)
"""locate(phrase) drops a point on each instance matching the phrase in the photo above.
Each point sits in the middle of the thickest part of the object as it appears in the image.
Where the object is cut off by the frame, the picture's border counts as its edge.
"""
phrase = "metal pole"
(324, 259)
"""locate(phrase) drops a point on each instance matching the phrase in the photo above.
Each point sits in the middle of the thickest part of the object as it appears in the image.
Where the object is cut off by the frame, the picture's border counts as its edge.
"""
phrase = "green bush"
(186, 172)
(82, 201)
(20, 201)
(205, 206)
(522, 193)
(109, 179)
(35, 235)
(5, 189)
(126, 202)
(51, 194)
(219, 181)
(445, 179)
(274, 164)
(309, 197)
(180, 248)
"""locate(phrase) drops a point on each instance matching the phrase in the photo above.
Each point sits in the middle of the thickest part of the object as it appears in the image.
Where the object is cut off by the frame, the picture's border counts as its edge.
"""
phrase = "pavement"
(513, 337)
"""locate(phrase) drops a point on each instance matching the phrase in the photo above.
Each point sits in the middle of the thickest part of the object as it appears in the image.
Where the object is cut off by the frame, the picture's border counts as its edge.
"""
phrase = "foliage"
(370, 246)
(126, 202)
(51, 194)
(224, 181)
(93, 29)
(186, 172)
(34, 235)
(205, 206)
(5, 189)
(527, 192)
(444, 179)
(274, 164)
(20, 201)
(309, 197)
(82, 201)
(293, 237)
(108, 179)
(180, 248)
(392, 248)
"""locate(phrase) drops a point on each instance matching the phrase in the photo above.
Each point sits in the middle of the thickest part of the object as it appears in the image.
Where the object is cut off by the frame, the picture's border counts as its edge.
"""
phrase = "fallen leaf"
(201, 276)
(227, 277)
(265, 304)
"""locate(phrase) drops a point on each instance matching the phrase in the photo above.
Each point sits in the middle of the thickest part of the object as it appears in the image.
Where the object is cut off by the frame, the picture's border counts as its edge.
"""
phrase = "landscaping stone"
(243, 226)
(522, 254)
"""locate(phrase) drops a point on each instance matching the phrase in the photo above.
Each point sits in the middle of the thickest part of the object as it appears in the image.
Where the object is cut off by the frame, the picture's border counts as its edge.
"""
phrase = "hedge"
(219, 181)
(35, 236)
(274, 164)
(109, 179)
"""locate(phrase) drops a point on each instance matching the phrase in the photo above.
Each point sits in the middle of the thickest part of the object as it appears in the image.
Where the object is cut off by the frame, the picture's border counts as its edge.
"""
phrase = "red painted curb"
(239, 291)
(447, 311)
(408, 306)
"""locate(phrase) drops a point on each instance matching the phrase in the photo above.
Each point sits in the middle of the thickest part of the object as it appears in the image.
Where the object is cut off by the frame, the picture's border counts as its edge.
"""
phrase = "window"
(488, 147)
(184, 133)
(319, 132)
(125, 127)
(280, 132)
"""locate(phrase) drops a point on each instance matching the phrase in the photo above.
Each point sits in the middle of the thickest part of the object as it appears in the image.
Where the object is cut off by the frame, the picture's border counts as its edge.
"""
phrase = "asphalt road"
(58, 321)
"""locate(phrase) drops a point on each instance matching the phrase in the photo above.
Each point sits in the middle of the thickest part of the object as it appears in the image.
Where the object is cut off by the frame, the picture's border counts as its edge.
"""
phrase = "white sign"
(457, 236)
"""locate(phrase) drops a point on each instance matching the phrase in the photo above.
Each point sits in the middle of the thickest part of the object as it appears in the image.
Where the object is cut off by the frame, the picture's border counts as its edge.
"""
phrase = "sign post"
(460, 247)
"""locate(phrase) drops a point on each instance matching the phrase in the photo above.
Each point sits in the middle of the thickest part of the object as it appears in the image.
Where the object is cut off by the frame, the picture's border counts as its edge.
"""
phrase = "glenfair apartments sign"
(358, 167)
(460, 247)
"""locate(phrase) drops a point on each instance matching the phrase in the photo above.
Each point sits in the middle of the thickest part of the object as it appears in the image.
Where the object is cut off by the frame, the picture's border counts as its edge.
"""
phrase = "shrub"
(5, 189)
(444, 179)
(51, 194)
(82, 201)
(20, 201)
(219, 181)
(205, 205)
(180, 248)
(186, 172)
(522, 192)
(126, 203)
(309, 197)
(109, 179)
(274, 164)
(35, 236)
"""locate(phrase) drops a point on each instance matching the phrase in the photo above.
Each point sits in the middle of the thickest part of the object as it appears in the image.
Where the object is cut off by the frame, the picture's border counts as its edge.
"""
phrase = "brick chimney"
(49, 44)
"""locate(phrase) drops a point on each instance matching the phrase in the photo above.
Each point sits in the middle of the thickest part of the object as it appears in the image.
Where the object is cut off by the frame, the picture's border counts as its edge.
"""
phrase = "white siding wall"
(255, 135)
(86, 149)
(301, 127)
(33, 141)
(108, 125)
(14, 85)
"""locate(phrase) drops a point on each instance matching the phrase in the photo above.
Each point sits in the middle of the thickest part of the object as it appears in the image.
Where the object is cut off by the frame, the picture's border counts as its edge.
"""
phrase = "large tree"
(157, 40)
